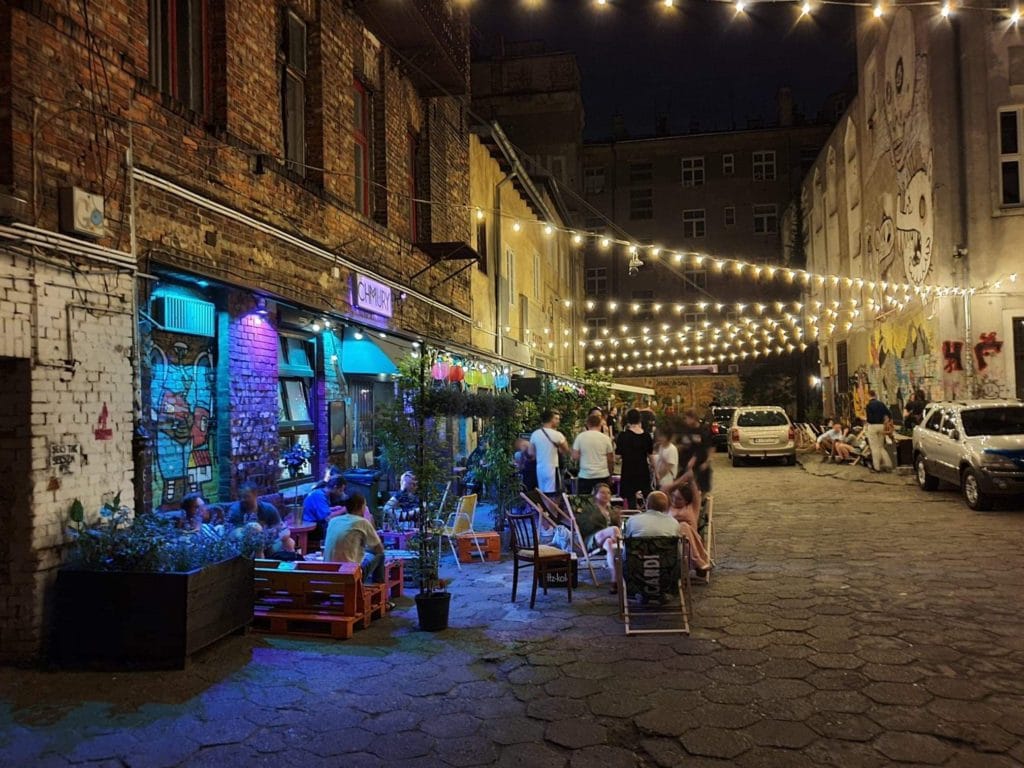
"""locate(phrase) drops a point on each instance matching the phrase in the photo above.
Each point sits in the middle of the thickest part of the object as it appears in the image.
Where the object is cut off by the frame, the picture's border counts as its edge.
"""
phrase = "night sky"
(698, 61)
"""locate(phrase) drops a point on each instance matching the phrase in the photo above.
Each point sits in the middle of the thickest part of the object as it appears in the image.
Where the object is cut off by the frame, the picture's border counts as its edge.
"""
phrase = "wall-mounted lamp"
(261, 306)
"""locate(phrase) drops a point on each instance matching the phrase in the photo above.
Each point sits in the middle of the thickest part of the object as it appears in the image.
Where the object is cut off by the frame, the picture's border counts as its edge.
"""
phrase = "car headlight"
(998, 461)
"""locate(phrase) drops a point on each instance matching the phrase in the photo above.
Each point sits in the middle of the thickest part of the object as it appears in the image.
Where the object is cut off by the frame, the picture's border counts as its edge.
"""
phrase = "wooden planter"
(153, 620)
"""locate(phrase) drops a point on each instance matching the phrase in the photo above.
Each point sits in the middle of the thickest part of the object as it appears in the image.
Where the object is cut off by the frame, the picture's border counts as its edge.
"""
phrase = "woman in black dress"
(635, 446)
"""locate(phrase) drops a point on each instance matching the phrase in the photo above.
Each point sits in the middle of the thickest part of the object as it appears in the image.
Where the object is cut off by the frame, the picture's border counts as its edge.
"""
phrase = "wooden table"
(301, 535)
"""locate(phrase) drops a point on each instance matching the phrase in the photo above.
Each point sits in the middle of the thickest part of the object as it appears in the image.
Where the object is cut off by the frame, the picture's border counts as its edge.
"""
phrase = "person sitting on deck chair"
(654, 522)
(351, 539)
(826, 441)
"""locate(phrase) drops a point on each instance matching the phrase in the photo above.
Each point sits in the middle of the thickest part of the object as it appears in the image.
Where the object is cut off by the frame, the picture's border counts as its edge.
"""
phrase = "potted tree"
(137, 591)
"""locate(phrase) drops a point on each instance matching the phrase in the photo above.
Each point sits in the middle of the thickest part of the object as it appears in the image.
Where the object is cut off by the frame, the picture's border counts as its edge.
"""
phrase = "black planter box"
(151, 620)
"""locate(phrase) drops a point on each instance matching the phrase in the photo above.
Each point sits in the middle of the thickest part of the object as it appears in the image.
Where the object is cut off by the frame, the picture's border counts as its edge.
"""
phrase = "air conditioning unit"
(82, 213)
(182, 314)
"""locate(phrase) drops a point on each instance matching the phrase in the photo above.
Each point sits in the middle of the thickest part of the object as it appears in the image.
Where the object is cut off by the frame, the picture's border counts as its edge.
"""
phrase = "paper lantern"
(456, 374)
(473, 377)
(487, 380)
(439, 371)
(501, 380)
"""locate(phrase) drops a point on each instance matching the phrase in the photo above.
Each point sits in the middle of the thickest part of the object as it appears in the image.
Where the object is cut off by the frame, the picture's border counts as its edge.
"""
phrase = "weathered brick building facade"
(257, 166)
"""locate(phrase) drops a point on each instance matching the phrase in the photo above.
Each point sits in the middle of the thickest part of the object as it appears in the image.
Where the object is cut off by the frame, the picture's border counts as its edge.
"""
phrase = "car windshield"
(761, 419)
(993, 421)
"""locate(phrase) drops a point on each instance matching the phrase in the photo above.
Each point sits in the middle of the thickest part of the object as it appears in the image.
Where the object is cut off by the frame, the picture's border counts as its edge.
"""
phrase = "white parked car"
(976, 445)
(761, 432)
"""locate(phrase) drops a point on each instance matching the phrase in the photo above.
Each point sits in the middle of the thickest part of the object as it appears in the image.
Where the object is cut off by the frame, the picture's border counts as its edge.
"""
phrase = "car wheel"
(926, 481)
(790, 461)
(736, 460)
(971, 489)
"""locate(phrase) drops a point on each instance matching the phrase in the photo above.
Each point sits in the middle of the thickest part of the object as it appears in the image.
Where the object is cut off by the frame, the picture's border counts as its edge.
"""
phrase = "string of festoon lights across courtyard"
(804, 8)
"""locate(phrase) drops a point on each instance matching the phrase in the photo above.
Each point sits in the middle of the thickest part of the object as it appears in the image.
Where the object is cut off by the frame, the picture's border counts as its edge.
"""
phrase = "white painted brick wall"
(65, 410)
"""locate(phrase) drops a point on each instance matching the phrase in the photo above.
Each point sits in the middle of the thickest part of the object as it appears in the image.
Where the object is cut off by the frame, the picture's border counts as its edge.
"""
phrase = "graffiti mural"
(952, 370)
(181, 408)
(990, 367)
(899, 225)
(904, 358)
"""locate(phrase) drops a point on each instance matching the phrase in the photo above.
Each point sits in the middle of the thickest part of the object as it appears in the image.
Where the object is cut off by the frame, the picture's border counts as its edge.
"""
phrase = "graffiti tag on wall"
(181, 409)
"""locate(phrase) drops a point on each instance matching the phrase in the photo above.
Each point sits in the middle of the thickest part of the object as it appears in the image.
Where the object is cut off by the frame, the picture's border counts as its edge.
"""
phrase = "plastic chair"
(460, 521)
(526, 548)
(656, 570)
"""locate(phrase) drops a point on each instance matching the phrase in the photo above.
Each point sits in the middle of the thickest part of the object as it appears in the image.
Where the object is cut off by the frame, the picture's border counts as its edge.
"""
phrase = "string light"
(516, 226)
(946, 10)
(878, 11)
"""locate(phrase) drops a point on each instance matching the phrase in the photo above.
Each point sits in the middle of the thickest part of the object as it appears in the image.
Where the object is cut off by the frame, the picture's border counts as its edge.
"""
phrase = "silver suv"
(761, 432)
(976, 445)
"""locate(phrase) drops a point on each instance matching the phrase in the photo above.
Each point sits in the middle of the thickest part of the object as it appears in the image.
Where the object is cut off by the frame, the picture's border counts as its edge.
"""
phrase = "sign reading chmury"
(373, 296)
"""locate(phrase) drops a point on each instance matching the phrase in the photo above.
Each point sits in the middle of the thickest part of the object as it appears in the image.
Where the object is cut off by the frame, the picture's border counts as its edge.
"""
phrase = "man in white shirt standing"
(545, 445)
(594, 451)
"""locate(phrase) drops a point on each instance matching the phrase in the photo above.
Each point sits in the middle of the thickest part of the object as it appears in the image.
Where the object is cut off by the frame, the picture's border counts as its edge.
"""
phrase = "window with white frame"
(596, 283)
(692, 171)
(640, 171)
(597, 323)
(1010, 157)
(694, 318)
(766, 219)
(593, 180)
(536, 277)
(728, 164)
(694, 223)
(764, 165)
(729, 216)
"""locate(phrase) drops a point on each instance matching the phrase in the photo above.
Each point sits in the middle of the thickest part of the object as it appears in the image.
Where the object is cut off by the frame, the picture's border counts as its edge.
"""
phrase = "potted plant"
(295, 459)
(138, 591)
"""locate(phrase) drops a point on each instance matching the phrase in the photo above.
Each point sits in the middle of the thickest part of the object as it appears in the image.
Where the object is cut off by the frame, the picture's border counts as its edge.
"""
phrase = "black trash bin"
(367, 483)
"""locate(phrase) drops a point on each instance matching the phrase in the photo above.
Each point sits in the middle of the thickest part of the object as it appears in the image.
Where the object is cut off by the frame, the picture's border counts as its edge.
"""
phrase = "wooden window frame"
(361, 139)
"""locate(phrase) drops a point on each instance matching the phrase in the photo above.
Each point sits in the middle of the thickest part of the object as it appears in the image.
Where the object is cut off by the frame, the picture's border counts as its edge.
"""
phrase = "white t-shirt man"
(667, 464)
(594, 448)
(545, 442)
(347, 539)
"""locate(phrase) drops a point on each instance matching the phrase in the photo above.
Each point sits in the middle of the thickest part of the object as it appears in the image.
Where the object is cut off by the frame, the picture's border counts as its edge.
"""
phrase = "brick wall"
(39, 306)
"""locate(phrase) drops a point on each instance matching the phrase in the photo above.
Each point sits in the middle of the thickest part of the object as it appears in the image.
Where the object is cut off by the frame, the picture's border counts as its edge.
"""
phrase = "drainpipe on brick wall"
(963, 234)
(499, 330)
(140, 442)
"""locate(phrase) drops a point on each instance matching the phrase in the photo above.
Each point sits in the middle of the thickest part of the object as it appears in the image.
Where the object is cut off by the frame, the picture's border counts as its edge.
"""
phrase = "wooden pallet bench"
(310, 598)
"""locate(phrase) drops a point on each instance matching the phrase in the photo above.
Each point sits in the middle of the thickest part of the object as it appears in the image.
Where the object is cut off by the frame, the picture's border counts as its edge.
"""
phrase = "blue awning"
(370, 355)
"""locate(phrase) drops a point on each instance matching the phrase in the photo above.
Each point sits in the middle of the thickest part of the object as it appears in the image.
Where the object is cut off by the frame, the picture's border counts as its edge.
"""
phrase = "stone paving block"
(913, 748)
(464, 752)
(615, 704)
(715, 742)
(400, 746)
(845, 726)
(780, 733)
(897, 693)
(663, 721)
(604, 757)
(531, 756)
(575, 733)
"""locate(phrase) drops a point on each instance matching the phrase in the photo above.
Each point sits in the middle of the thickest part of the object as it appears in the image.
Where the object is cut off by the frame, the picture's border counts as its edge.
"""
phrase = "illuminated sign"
(373, 296)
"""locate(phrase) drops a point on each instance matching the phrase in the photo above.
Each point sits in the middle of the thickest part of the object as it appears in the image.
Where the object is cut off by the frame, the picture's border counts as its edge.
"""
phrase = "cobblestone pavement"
(848, 623)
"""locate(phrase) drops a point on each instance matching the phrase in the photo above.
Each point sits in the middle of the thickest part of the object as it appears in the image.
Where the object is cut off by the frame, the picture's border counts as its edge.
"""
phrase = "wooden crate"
(490, 545)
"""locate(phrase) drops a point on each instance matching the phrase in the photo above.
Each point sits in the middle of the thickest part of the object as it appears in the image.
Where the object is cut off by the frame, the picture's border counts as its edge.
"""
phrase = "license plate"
(764, 439)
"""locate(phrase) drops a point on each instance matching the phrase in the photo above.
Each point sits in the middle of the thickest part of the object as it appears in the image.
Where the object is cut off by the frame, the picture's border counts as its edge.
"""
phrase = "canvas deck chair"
(567, 518)
(654, 586)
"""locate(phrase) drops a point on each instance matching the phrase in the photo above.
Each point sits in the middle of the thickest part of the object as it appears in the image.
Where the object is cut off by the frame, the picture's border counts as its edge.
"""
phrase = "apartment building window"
(556, 166)
(641, 172)
(597, 323)
(481, 245)
(766, 219)
(593, 222)
(510, 274)
(694, 318)
(593, 180)
(412, 188)
(179, 51)
(729, 216)
(295, 384)
(728, 164)
(361, 139)
(642, 295)
(694, 224)
(1010, 157)
(641, 203)
(696, 278)
(536, 278)
(692, 171)
(764, 165)
(293, 91)
(596, 283)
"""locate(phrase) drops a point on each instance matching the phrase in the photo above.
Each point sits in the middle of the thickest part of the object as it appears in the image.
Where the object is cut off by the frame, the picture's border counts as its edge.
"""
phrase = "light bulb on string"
(946, 10)
(516, 226)
(878, 11)
(577, 239)
(805, 9)
(479, 214)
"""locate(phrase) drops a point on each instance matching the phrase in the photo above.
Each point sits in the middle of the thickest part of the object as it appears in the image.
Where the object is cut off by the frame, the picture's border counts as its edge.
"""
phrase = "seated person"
(351, 539)
(843, 449)
(607, 537)
(525, 464)
(826, 440)
(653, 521)
(324, 502)
(251, 509)
(194, 516)
(402, 508)
(687, 514)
